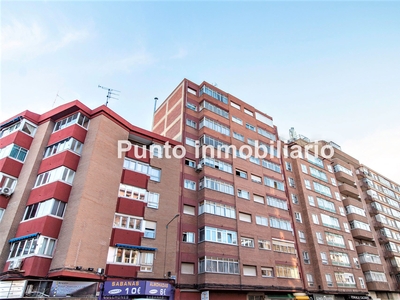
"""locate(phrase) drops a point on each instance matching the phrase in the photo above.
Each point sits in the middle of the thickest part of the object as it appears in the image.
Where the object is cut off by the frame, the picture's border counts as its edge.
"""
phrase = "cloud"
(24, 41)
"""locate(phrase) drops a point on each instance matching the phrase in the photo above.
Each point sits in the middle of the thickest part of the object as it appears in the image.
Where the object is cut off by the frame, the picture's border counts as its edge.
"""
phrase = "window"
(216, 164)
(218, 96)
(217, 209)
(346, 279)
(50, 207)
(371, 276)
(187, 268)
(67, 144)
(217, 235)
(266, 133)
(251, 127)
(188, 210)
(233, 104)
(59, 174)
(302, 237)
(238, 136)
(190, 142)
(371, 258)
(254, 160)
(216, 185)
(190, 163)
(256, 179)
(191, 106)
(318, 174)
(320, 240)
(330, 221)
(258, 199)
(247, 242)
(351, 246)
(315, 160)
(128, 222)
(330, 168)
(207, 140)
(153, 200)
(328, 279)
(264, 119)
(339, 168)
(322, 189)
(192, 91)
(189, 184)
(362, 283)
(245, 217)
(150, 229)
(250, 113)
(315, 219)
(214, 125)
(304, 168)
(287, 272)
(39, 245)
(237, 120)
(188, 237)
(23, 125)
(307, 184)
(77, 118)
(310, 280)
(1, 213)
(291, 182)
(297, 216)
(191, 123)
(311, 200)
(350, 209)
(249, 270)
(278, 203)
(333, 181)
(241, 173)
(361, 225)
(261, 221)
(341, 210)
(337, 196)
(14, 151)
(264, 244)
(295, 200)
(215, 109)
(283, 246)
(274, 183)
(266, 272)
(339, 259)
(132, 192)
(324, 258)
(218, 265)
(133, 257)
(280, 224)
(243, 194)
(333, 239)
(306, 257)
(288, 166)
(326, 205)
(143, 168)
(356, 262)
(270, 165)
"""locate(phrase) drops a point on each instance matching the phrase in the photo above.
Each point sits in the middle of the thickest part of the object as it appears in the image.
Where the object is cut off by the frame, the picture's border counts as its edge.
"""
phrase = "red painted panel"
(34, 266)
(65, 158)
(130, 207)
(76, 131)
(137, 153)
(121, 236)
(19, 138)
(3, 201)
(10, 166)
(74, 274)
(122, 271)
(48, 226)
(58, 190)
(136, 179)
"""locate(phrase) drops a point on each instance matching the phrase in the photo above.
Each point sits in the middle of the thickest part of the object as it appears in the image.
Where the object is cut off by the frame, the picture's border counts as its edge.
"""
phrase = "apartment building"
(74, 214)
(236, 232)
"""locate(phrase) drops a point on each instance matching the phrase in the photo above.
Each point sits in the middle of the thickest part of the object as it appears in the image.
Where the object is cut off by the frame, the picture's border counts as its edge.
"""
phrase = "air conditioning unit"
(199, 168)
(6, 191)
(15, 264)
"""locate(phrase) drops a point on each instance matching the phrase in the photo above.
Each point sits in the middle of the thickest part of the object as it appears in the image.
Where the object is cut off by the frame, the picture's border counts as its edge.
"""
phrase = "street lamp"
(166, 241)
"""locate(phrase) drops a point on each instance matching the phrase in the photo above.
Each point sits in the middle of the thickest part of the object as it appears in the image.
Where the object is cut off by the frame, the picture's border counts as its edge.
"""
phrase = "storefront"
(136, 289)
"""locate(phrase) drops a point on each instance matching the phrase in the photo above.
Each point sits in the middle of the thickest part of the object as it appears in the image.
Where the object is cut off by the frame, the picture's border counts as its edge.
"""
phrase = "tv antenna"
(111, 93)
(57, 96)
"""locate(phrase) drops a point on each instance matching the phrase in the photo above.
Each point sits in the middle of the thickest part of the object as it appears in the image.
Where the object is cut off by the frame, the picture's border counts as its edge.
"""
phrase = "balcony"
(362, 234)
(348, 190)
(372, 267)
(389, 254)
(352, 201)
(373, 211)
(344, 177)
(366, 185)
(394, 270)
(367, 248)
(378, 225)
(378, 286)
(382, 239)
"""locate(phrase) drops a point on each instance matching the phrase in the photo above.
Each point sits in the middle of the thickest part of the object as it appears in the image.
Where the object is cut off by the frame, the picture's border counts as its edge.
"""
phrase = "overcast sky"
(329, 69)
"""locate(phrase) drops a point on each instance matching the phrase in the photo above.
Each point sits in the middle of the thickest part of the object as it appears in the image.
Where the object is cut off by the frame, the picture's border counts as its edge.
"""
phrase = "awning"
(9, 123)
(126, 246)
(301, 297)
(280, 296)
(24, 237)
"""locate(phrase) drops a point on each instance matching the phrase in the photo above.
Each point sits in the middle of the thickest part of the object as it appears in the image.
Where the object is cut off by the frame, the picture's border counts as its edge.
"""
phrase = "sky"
(331, 70)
